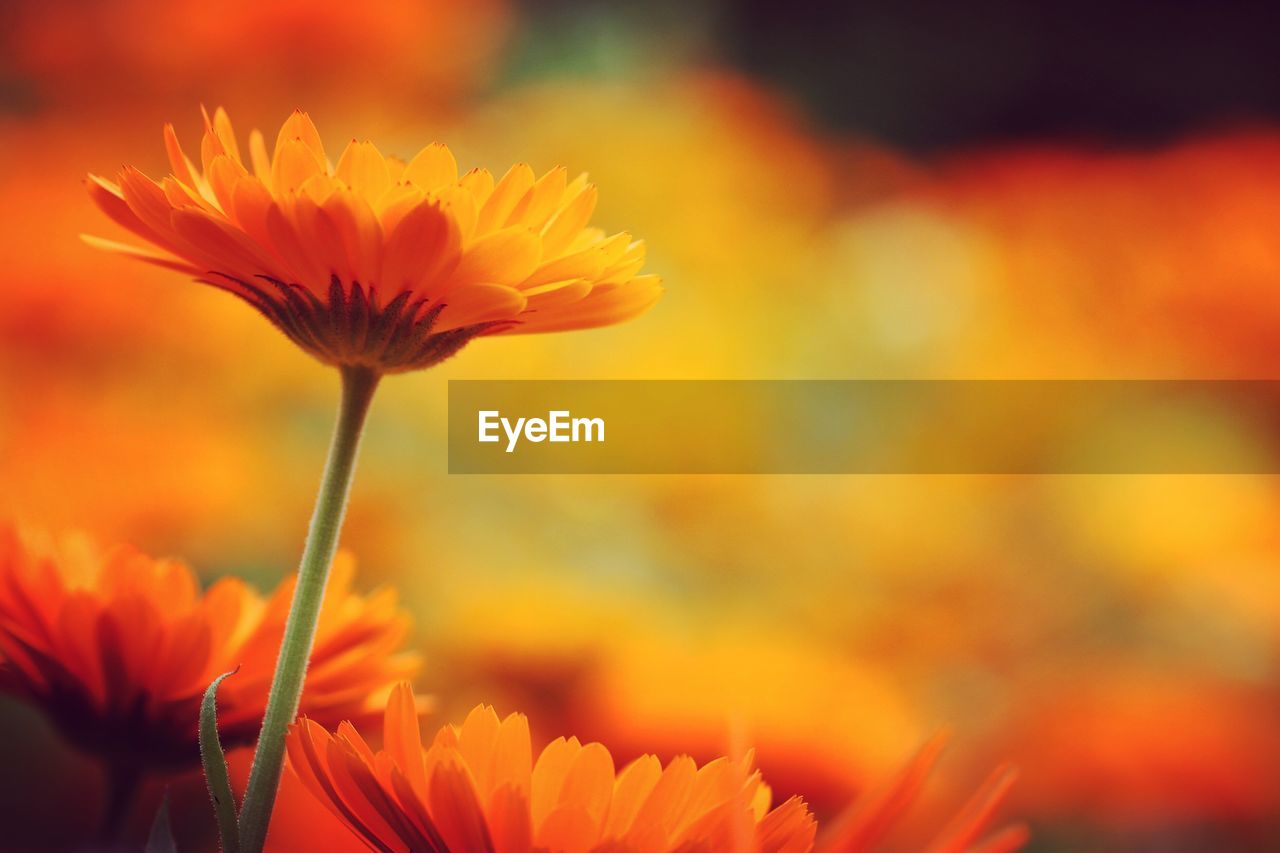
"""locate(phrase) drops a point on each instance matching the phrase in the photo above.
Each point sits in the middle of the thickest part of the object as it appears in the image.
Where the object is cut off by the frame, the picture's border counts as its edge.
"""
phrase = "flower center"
(350, 328)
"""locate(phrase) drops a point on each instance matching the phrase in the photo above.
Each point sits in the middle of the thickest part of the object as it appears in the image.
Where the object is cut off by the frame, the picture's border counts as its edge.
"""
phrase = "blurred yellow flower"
(374, 262)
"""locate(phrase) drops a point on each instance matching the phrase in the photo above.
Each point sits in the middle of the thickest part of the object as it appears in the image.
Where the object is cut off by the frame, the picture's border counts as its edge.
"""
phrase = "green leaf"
(215, 768)
(161, 838)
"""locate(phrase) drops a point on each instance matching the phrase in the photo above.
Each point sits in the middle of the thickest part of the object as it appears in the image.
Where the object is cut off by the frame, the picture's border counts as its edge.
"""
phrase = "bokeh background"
(991, 189)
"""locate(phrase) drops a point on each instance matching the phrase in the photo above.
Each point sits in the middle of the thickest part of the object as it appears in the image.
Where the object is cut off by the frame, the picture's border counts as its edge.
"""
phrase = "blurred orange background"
(1115, 637)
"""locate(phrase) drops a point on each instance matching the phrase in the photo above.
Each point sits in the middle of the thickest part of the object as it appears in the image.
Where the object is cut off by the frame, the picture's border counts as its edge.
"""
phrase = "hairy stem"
(358, 385)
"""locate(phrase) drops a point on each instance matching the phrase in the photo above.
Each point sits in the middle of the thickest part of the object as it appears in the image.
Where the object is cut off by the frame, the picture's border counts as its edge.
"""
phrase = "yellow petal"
(461, 205)
(361, 235)
(556, 294)
(537, 205)
(402, 737)
(141, 254)
(223, 175)
(147, 200)
(478, 182)
(421, 251)
(603, 306)
(226, 134)
(319, 187)
(633, 786)
(231, 251)
(299, 127)
(110, 200)
(363, 168)
(479, 303)
(453, 805)
(249, 204)
(180, 195)
(548, 776)
(323, 240)
(178, 162)
(258, 156)
(433, 167)
(589, 782)
(294, 162)
(507, 257)
(564, 226)
(307, 269)
(395, 203)
(506, 194)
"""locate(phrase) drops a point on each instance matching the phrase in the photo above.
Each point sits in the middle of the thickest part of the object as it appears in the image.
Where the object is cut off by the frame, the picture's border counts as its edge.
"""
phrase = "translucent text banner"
(864, 427)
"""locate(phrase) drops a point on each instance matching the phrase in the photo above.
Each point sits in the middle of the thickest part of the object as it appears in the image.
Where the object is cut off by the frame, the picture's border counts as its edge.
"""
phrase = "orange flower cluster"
(376, 262)
(478, 787)
(118, 647)
(426, 53)
(377, 265)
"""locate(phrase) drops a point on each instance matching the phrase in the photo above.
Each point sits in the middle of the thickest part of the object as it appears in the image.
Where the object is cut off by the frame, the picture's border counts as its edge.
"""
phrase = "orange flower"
(424, 53)
(477, 787)
(375, 262)
(118, 648)
(866, 822)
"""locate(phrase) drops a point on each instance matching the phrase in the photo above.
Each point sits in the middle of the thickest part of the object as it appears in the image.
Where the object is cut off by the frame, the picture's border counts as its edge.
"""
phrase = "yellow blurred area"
(832, 623)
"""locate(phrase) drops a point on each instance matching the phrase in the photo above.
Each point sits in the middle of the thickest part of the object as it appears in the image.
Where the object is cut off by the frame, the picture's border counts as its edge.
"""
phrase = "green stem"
(358, 385)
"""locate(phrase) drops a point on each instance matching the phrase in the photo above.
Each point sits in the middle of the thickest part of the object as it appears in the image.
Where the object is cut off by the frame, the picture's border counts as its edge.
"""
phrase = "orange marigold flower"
(375, 262)
(118, 647)
(477, 787)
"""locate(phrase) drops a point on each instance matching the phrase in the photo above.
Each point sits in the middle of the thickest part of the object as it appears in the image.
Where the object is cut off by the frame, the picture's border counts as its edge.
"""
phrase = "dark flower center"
(350, 328)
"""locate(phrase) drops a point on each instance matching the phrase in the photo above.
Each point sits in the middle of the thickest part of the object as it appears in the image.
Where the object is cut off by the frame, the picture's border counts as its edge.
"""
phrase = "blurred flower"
(87, 53)
(376, 263)
(613, 659)
(1118, 745)
(118, 647)
(753, 183)
(1114, 264)
(867, 821)
(822, 724)
(477, 787)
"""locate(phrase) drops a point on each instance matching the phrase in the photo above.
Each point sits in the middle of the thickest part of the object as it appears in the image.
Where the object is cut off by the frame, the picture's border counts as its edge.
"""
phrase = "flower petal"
(363, 168)
(433, 167)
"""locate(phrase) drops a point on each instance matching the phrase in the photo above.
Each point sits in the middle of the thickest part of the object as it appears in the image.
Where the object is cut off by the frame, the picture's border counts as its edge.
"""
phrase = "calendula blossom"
(479, 787)
(377, 262)
(116, 647)
(373, 265)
